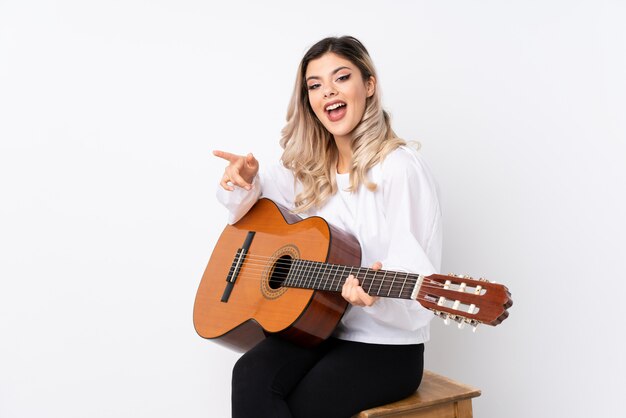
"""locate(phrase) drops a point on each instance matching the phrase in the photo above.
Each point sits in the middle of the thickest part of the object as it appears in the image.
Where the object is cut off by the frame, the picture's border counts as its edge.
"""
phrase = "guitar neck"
(315, 275)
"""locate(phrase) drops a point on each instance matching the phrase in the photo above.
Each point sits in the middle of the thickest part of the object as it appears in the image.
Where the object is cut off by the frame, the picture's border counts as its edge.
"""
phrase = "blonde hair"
(309, 150)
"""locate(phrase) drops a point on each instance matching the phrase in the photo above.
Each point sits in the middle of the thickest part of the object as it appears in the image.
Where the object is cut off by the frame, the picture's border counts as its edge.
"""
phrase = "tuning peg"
(461, 325)
(474, 328)
(443, 316)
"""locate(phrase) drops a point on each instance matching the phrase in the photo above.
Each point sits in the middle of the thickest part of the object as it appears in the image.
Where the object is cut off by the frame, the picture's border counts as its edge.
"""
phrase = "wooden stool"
(437, 397)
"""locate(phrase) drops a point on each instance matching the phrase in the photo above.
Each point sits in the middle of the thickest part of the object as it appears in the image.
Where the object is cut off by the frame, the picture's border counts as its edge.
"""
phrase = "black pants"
(336, 379)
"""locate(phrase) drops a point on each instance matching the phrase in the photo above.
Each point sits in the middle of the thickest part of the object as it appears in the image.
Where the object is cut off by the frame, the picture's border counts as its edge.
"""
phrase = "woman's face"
(337, 93)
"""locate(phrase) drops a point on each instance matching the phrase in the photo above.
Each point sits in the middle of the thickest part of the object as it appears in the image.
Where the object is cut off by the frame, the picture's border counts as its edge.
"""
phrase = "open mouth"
(336, 110)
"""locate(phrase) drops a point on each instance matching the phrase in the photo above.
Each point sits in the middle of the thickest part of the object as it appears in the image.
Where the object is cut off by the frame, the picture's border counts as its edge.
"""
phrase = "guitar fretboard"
(322, 276)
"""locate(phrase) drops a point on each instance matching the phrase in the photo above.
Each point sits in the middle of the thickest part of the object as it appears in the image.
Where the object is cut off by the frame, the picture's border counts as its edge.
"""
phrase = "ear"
(370, 86)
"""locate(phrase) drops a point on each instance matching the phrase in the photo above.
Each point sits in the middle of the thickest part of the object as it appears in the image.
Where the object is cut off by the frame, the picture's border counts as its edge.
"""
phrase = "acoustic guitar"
(275, 273)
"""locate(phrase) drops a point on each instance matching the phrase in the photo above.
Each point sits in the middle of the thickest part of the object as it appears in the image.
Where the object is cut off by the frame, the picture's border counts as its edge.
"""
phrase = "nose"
(329, 91)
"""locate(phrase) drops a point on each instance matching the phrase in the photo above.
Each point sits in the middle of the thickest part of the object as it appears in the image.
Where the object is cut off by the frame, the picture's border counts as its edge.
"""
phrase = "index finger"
(225, 155)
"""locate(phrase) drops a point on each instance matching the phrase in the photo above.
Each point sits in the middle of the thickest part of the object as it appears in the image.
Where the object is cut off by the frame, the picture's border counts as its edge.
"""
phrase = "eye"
(343, 77)
(313, 86)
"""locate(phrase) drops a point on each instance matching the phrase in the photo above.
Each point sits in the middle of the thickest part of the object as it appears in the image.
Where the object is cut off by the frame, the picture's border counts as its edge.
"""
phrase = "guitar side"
(257, 307)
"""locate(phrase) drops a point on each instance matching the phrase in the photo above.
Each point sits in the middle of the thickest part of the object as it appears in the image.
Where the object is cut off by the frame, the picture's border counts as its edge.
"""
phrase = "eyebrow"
(333, 73)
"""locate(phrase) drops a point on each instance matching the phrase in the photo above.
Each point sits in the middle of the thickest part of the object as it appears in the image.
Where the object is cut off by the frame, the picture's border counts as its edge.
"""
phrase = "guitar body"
(257, 305)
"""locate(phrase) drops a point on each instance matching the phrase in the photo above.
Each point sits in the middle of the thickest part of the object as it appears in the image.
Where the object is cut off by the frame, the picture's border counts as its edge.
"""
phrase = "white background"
(109, 111)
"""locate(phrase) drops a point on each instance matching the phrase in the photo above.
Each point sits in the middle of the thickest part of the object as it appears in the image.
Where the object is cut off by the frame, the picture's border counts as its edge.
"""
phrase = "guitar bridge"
(236, 266)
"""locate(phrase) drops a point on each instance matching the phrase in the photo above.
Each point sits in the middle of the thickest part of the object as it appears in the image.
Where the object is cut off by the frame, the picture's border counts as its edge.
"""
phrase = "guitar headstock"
(464, 299)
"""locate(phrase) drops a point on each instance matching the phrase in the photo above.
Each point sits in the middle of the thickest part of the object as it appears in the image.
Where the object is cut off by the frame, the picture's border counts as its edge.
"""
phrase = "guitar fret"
(361, 280)
(290, 274)
(409, 288)
(298, 273)
(342, 277)
(309, 274)
(313, 275)
(369, 288)
(333, 271)
(319, 275)
(302, 277)
(322, 276)
(381, 283)
(338, 276)
(287, 281)
(322, 284)
(392, 282)
(415, 278)
(329, 271)
(402, 288)
(303, 268)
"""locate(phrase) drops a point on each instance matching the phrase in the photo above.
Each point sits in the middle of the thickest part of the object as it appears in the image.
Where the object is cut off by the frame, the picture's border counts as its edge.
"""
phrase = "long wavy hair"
(309, 149)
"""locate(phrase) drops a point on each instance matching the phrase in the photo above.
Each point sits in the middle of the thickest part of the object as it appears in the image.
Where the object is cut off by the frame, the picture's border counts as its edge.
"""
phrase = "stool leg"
(464, 409)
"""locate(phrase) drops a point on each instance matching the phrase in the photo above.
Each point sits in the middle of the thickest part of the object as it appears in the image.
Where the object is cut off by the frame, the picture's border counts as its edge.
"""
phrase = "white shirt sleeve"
(276, 183)
(413, 219)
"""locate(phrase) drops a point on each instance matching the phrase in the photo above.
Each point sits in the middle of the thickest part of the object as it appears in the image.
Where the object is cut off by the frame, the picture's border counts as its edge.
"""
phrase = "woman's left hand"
(353, 293)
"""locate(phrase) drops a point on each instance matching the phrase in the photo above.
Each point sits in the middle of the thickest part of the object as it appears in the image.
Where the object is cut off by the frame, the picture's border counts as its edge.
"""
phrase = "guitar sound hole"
(280, 271)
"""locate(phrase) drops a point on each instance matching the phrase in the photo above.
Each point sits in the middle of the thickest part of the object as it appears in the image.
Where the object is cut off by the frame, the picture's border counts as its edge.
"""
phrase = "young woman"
(343, 162)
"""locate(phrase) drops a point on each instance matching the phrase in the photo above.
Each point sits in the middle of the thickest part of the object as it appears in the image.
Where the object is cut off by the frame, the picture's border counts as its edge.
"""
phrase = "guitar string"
(428, 284)
(259, 266)
(260, 261)
(256, 272)
(262, 267)
(319, 274)
(326, 283)
(405, 294)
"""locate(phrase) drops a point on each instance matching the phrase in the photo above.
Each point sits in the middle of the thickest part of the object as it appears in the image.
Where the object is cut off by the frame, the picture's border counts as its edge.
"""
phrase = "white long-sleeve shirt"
(399, 225)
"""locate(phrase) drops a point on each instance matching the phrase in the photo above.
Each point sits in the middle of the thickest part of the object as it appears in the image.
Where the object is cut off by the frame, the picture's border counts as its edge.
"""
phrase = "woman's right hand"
(240, 171)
